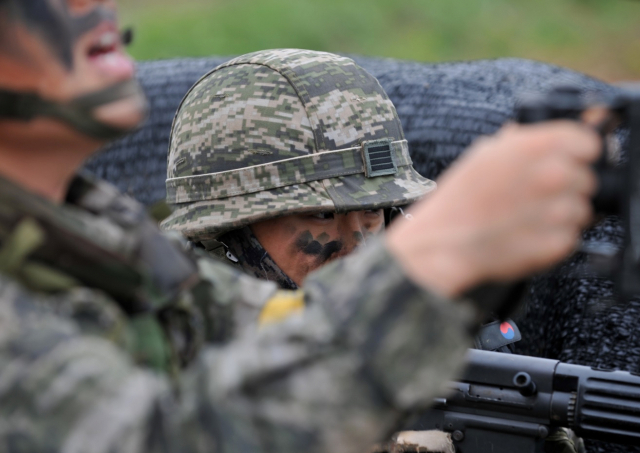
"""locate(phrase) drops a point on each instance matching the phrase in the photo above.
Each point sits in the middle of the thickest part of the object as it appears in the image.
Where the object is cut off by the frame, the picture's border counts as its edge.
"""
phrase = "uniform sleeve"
(336, 377)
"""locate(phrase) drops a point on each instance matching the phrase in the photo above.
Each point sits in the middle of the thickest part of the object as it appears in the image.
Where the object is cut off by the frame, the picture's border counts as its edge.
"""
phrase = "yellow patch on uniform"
(281, 306)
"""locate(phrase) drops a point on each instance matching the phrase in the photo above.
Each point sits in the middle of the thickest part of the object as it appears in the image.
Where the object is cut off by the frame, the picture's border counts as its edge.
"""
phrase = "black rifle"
(507, 403)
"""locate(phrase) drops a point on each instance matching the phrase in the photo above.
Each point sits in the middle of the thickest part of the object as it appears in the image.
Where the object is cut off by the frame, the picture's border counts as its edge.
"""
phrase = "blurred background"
(599, 37)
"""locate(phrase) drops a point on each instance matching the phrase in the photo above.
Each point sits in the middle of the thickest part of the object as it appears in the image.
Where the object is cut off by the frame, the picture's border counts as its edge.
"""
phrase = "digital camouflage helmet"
(282, 132)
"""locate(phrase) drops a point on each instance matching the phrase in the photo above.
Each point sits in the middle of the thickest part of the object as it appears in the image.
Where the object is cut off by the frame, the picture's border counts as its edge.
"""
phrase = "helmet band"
(288, 172)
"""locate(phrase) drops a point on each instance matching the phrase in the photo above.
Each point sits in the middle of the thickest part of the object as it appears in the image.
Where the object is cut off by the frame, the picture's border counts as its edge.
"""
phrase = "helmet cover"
(282, 132)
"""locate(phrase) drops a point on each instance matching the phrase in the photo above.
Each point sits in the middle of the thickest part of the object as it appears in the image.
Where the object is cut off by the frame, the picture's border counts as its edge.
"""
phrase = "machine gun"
(509, 403)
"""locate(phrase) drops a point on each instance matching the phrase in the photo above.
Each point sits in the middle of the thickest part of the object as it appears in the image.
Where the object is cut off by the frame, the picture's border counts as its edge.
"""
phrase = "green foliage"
(596, 36)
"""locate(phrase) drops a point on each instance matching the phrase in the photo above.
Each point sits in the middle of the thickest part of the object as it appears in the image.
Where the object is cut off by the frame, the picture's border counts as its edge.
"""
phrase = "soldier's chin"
(124, 114)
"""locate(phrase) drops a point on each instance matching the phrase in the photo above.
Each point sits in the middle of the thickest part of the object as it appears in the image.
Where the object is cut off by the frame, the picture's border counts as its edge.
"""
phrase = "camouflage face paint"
(319, 247)
(302, 243)
(55, 25)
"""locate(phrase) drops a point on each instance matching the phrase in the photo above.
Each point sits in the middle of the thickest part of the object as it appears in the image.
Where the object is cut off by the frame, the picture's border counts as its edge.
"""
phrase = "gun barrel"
(606, 404)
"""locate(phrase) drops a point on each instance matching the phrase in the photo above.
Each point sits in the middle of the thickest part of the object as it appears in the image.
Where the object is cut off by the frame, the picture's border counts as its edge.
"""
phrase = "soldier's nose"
(352, 229)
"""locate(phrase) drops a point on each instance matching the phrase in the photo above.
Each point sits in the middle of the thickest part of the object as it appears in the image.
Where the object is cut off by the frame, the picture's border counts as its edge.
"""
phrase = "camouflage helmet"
(282, 132)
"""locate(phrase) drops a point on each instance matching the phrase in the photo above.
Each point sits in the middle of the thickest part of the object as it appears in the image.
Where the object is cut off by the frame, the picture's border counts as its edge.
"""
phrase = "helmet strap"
(77, 113)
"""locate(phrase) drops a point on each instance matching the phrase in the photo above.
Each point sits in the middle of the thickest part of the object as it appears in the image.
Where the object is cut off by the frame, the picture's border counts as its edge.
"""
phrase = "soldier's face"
(63, 49)
(301, 243)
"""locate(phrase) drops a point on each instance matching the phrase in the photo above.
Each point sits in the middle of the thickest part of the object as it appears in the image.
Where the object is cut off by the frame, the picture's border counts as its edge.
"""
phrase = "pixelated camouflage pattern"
(370, 347)
(204, 220)
(268, 107)
(51, 250)
(259, 178)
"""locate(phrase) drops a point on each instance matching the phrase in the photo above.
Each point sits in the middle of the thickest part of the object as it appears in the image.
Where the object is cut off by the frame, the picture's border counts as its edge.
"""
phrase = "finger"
(545, 248)
(596, 116)
(568, 212)
(579, 141)
(584, 181)
(562, 243)
(565, 137)
(583, 213)
(559, 174)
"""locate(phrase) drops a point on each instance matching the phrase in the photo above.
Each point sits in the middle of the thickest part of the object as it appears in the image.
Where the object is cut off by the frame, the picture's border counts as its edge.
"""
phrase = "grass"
(600, 37)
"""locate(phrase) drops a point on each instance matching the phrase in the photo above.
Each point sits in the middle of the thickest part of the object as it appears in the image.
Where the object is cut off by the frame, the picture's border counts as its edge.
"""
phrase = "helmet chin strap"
(77, 113)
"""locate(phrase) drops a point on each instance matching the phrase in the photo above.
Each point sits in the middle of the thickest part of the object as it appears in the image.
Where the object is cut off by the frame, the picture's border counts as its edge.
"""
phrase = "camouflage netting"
(443, 107)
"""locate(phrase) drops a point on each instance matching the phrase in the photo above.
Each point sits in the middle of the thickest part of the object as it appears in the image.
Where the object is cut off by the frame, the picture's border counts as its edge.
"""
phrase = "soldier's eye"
(323, 215)
(373, 212)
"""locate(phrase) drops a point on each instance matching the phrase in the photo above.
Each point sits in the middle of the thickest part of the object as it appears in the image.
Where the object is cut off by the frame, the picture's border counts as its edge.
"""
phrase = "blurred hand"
(513, 205)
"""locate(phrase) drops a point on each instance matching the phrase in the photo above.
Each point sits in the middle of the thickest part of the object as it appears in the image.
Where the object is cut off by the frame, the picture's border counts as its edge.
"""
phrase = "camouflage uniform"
(112, 339)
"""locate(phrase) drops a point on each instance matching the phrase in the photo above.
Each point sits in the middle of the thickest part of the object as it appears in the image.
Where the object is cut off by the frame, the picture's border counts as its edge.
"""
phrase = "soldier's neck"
(40, 164)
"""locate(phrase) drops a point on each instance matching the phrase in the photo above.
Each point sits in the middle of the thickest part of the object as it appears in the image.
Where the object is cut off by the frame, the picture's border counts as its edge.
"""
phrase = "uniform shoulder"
(29, 324)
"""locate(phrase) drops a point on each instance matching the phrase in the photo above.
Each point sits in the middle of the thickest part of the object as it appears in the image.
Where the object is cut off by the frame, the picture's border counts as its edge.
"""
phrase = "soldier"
(347, 161)
(113, 339)
(322, 114)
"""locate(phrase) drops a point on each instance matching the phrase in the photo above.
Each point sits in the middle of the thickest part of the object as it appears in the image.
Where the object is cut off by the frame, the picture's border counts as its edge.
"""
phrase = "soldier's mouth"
(106, 54)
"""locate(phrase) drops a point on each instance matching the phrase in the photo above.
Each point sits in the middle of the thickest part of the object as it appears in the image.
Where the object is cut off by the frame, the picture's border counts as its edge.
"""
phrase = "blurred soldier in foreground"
(112, 339)
(345, 161)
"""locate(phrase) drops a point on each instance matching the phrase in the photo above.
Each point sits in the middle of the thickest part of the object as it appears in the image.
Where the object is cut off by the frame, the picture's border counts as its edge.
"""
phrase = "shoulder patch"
(282, 305)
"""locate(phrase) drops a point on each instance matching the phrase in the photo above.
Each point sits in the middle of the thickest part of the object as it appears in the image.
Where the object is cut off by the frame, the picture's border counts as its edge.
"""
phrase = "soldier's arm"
(370, 345)
(338, 376)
